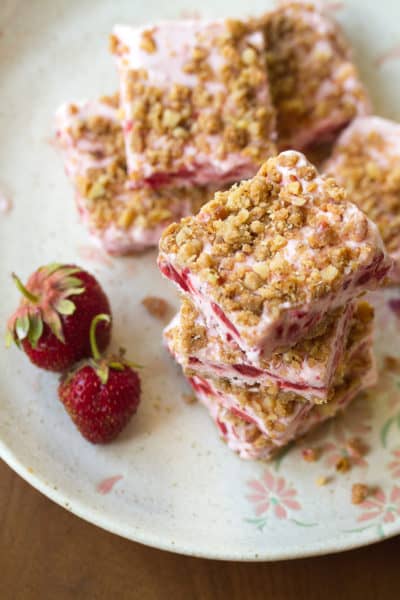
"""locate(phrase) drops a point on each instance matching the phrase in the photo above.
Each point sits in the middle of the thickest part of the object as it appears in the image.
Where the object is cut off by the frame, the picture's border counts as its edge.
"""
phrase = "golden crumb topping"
(287, 236)
(226, 110)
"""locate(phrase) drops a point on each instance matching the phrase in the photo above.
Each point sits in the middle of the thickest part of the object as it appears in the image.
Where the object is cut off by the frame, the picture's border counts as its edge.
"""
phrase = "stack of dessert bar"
(202, 104)
(272, 334)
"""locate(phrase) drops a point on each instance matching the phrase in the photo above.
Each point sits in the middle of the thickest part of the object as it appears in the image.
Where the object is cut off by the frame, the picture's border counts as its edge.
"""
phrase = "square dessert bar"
(307, 369)
(266, 260)
(281, 424)
(314, 86)
(124, 220)
(195, 101)
(366, 161)
(263, 404)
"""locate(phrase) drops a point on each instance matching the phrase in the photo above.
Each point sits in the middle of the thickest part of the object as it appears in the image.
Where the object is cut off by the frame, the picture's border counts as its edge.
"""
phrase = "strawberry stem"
(24, 291)
(92, 335)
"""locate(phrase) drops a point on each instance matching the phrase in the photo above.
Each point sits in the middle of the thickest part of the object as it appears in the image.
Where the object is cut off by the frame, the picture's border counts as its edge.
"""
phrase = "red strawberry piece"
(101, 394)
(52, 322)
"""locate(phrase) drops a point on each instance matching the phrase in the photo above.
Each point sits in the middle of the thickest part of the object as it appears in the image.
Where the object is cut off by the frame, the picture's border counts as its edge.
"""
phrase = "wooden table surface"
(47, 553)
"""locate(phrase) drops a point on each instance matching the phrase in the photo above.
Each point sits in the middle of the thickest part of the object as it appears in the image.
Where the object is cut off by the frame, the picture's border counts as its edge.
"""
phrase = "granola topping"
(257, 248)
(217, 104)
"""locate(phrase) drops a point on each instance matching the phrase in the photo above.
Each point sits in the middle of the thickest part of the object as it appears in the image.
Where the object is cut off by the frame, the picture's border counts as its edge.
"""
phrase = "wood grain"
(48, 553)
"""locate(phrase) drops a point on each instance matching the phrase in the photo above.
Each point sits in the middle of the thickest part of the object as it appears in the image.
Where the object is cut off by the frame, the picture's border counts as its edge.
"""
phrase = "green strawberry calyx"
(101, 364)
(46, 298)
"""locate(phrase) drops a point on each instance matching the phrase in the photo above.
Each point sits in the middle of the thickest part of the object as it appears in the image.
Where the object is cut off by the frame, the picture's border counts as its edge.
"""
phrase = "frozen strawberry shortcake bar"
(314, 86)
(366, 161)
(195, 101)
(266, 261)
(258, 435)
(256, 402)
(124, 220)
(307, 369)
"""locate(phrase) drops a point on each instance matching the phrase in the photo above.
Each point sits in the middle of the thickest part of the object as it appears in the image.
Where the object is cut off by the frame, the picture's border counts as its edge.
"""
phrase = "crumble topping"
(213, 100)
(285, 237)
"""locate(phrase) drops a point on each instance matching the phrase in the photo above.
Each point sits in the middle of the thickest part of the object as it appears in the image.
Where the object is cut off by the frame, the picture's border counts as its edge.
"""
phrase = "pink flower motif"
(354, 421)
(387, 507)
(106, 485)
(272, 493)
(394, 466)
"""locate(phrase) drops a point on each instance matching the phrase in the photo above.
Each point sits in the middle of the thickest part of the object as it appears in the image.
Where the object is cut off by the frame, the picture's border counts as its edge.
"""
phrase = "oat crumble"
(212, 112)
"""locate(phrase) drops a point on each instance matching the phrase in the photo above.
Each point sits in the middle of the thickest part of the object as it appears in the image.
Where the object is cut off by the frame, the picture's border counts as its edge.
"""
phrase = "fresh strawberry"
(52, 322)
(101, 394)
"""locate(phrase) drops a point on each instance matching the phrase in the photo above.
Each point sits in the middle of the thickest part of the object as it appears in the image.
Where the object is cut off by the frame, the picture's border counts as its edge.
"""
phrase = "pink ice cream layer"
(132, 219)
(278, 327)
(165, 67)
(252, 440)
(304, 375)
(365, 160)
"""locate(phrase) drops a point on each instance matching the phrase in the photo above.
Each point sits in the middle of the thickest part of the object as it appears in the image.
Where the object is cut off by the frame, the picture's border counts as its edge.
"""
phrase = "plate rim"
(99, 519)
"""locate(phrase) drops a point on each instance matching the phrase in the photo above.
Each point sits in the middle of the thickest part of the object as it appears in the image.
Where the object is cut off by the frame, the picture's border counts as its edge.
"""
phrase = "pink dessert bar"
(307, 369)
(281, 423)
(195, 100)
(314, 85)
(262, 404)
(366, 161)
(265, 261)
(122, 219)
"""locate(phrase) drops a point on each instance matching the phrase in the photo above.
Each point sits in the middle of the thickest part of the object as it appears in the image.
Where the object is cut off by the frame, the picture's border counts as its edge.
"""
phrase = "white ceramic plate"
(168, 481)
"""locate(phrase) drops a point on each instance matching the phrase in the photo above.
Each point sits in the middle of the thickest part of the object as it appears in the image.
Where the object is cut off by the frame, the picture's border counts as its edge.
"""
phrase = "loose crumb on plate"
(311, 454)
(391, 363)
(357, 447)
(359, 492)
(343, 465)
(157, 307)
(189, 398)
(321, 481)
